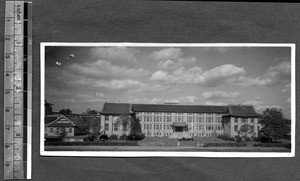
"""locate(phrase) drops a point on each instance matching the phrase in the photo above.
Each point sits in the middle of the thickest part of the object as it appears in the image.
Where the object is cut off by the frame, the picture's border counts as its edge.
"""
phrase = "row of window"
(191, 134)
(181, 119)
(243, 120)
(52, 130)
(165, 113)
(236, 128)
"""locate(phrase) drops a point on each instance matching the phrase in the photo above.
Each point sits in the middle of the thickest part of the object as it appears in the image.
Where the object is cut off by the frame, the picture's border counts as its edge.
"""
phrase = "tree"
(65, 111)
(129, 121)
(124, 120)
(274, 124)
(245, 130)
(90, 111)
(93, 123)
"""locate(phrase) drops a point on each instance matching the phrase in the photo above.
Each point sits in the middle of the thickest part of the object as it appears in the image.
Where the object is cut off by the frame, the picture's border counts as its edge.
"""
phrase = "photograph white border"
(168, 153)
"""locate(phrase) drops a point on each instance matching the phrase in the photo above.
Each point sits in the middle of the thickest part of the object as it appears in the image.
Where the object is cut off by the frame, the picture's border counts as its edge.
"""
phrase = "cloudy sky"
(85, 77)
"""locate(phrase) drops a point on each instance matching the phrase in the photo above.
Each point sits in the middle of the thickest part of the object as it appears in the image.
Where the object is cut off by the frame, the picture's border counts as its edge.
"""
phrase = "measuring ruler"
(17, 90)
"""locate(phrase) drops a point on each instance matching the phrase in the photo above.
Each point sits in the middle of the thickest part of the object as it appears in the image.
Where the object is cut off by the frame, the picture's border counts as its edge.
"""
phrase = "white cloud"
(102, 69)
(180, 100)
(115, 53)
(175, 64)
(260, 106)
(274, 74)
(191, 99)
(218, 75)
(167, 53)
(210, 78)
(219, 94)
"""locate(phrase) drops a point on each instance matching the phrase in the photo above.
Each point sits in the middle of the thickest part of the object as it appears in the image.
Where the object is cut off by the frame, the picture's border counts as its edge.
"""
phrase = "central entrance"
(179, 127)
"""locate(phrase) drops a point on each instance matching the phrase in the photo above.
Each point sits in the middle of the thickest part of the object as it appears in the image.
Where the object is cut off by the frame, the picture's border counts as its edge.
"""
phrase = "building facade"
(169, 120)
(237, 116)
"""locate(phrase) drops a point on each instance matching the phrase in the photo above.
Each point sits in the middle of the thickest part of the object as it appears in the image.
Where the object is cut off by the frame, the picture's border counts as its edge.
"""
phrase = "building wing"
(241, 111)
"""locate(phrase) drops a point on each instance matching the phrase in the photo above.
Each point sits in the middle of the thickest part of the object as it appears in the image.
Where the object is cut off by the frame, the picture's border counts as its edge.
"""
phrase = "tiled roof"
(116, 108)
(180, 124)
(178, 108)
(52, 121)
(50, 118)
(242, 110)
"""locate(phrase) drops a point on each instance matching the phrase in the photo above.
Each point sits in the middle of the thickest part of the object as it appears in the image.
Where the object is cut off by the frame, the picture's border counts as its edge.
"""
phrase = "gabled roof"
(241, 110)
(71, 121)
(178, 108)
(116, 108)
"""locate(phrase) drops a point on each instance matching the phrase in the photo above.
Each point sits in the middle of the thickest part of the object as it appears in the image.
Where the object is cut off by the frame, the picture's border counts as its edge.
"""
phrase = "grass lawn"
(159, 141)
(172, 144)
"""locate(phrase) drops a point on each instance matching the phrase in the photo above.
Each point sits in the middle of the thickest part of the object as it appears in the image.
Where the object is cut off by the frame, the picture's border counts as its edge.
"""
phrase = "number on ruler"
(7, 92)
(7, 56)
(7, 38)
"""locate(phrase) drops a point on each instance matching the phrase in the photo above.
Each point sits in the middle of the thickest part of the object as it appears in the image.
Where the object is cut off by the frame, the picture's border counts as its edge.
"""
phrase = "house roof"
(178, 108)
(241, 110)
(116, 108)
(71, 121)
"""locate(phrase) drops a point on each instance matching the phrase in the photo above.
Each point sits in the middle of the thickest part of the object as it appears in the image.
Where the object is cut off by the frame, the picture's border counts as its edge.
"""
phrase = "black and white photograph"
(160, 99)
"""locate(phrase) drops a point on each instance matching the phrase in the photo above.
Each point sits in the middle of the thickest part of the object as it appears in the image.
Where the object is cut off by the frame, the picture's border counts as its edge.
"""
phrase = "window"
(235, 127)
(115, 128)
(51, 130)
(244, 120)
(70, 130)
(106, 127)
(236, 120)
(252, 120)
(106, 117)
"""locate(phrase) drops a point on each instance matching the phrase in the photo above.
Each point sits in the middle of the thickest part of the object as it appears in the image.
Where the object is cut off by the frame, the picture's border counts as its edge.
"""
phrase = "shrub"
(113, 137)
(265, 139)
(226, 137)
(247, 139)
(123, 137)
(185, 139)
(104, 137)
(238, 139)
(136, 136)
(224, 144)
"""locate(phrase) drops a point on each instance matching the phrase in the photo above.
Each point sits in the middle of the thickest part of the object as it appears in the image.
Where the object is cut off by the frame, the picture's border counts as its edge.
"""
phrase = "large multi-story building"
(170, 120)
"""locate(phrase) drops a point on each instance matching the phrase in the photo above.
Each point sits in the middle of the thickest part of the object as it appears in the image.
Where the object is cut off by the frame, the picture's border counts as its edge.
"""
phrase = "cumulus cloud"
(171, 58)
(219, 94)
(274, 74)
(260, 106)
(105, 70)
(174, 64)
(181, 100)
(167, 53)
(209, 78)
(114, 53)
